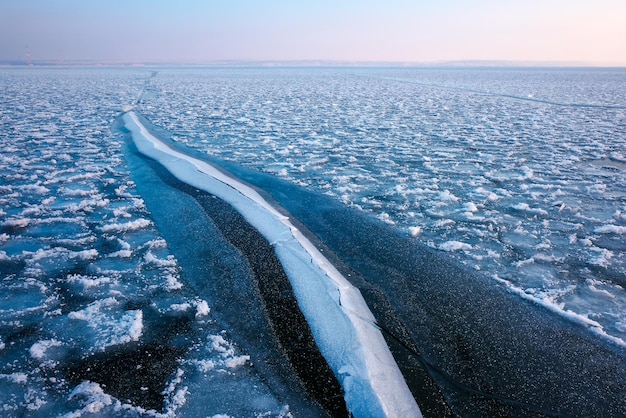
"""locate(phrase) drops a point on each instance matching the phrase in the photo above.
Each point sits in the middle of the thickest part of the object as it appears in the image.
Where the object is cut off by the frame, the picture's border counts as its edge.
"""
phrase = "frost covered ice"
(87, 284)
(516, 173)
(462, 159)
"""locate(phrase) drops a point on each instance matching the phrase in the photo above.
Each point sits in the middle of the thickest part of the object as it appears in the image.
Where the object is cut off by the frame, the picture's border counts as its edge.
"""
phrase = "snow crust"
(342, 324)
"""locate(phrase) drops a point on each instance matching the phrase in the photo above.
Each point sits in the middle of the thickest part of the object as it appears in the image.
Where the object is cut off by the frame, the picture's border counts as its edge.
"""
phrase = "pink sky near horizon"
(196, 31)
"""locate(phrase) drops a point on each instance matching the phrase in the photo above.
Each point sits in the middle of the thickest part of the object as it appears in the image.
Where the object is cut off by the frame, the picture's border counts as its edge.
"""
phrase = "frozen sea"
(122, 293)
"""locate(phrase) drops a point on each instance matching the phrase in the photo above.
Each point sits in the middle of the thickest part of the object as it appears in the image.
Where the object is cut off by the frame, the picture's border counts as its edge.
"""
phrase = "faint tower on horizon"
(29, 60)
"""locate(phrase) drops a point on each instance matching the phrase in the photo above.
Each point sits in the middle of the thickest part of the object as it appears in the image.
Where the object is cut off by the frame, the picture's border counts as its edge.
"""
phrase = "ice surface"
(455, 246)
(534, 156)
(610, 229)
(342, 324)
(414, 147)
(84, 274)
(110, 327)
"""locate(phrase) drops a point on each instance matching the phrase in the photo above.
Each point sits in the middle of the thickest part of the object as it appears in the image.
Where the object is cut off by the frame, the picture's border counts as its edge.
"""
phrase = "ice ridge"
(341, 322)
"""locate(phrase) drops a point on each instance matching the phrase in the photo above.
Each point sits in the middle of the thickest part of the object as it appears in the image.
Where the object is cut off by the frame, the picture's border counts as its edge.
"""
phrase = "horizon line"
(311, 63)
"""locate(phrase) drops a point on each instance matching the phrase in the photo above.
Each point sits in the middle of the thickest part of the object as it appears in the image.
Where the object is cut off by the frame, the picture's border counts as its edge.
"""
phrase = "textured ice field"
(518, 173)
(83, 270)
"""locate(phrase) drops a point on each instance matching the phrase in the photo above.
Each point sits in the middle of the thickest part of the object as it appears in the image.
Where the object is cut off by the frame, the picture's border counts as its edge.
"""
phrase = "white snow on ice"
(540, 191)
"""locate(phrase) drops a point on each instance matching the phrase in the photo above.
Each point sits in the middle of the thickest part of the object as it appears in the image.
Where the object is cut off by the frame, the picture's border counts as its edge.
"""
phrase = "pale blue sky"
(196, 31)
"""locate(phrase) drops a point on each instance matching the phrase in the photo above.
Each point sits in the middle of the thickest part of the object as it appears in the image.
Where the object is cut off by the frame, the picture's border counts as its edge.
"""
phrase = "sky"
(405, 31)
